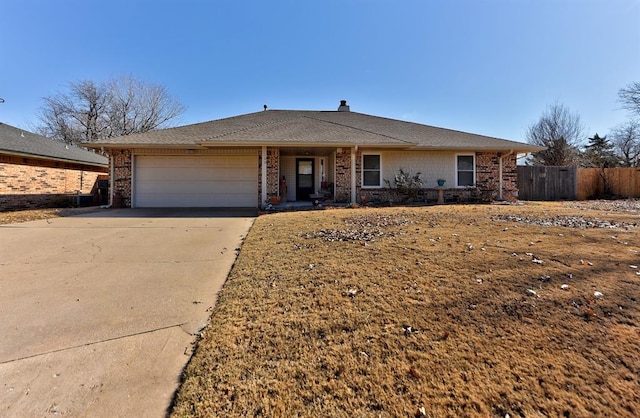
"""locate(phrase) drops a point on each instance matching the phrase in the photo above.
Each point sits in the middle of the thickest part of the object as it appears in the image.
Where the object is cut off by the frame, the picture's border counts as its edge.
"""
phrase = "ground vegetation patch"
(432, 311)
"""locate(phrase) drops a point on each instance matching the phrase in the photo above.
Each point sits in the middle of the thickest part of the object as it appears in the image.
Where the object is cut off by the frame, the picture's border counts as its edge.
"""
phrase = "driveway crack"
(180, 325)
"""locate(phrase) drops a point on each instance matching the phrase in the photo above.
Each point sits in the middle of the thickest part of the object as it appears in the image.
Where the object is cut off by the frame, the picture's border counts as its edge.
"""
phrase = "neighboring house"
(240, 161)
(38, 172)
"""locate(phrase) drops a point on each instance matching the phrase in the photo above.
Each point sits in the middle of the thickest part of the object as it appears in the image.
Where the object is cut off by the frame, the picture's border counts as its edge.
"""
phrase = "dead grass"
(19, 216)
(424, 312)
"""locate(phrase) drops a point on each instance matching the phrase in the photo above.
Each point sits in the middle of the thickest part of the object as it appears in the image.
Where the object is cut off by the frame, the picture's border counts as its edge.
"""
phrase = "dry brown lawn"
(19, 216)
(433, 311)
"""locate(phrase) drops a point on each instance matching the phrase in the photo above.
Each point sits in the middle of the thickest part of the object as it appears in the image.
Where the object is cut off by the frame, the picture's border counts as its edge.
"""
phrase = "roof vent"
(344, 107)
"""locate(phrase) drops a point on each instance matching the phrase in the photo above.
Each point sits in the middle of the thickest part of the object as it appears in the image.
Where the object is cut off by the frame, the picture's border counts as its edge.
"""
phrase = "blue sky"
(484, 66)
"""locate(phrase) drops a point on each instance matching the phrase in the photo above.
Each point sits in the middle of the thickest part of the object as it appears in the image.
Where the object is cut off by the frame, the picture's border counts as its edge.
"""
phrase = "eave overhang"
(47, 158)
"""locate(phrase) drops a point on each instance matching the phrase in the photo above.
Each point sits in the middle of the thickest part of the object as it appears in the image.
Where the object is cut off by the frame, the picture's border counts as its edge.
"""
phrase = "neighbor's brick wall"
(32, 183)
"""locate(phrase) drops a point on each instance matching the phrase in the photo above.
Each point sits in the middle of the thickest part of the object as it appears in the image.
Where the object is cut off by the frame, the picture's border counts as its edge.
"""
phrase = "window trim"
(457, 172)
(362, 170)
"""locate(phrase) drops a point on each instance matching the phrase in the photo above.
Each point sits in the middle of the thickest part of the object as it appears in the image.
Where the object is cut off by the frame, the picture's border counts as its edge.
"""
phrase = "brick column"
(343, 175)
(273, 169)
(488, 176)
(122, 167)
(510, 177)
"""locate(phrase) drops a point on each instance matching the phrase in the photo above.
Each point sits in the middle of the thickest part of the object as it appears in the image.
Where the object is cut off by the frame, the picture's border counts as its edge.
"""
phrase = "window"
(371, 170)
(465, 170)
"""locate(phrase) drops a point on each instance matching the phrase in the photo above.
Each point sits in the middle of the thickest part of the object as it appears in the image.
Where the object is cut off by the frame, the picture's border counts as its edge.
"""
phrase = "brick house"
(39, 172)
(244, 161)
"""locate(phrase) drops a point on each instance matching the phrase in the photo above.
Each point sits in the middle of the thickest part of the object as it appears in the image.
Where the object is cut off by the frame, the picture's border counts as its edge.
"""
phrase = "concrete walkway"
(98, 312)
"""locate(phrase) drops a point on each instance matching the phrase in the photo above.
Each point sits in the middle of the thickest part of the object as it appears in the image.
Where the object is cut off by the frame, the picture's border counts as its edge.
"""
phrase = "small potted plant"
(441, 182)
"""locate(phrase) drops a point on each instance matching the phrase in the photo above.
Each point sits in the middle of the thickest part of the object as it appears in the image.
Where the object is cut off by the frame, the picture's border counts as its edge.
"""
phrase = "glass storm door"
(304, 178)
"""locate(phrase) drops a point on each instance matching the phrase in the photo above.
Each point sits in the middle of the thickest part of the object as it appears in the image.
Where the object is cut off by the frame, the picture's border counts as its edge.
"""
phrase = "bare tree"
(561, 132)
(626, 140)
(629, 96)
(76, 116)
(91, 111)
(135, 106)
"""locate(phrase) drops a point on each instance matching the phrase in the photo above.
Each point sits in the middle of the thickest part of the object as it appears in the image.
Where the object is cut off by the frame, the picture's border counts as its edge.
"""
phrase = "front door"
(305, 174)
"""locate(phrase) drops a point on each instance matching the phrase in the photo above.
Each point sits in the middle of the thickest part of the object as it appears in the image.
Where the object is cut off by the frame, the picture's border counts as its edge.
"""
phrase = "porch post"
(264, 175)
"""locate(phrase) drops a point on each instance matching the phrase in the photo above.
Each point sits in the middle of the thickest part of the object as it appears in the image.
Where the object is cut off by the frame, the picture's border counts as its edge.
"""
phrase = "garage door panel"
(196, 181)
(184, 174)
(234, 174)
(233, 187)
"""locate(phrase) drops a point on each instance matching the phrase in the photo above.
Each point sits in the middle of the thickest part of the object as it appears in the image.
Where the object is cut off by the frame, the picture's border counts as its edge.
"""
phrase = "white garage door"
(196, 181)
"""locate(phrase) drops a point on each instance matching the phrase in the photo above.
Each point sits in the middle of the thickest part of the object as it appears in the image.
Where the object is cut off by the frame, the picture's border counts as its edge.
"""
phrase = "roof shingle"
(17, 141)
(297, 127)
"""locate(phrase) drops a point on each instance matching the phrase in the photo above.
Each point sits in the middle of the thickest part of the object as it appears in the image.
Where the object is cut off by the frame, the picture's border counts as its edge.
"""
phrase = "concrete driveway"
(98, 312)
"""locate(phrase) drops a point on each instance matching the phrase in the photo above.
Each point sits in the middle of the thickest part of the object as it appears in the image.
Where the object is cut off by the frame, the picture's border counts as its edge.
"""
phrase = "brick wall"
(273, 167)
(488, 176)
(343, 175)
(426, 195)
(32, 183)
(273, 164)
(510, 178)
(122, 163)
(261, 199)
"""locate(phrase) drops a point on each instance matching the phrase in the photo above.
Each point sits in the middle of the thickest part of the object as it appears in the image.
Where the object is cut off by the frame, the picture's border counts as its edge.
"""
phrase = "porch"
(338, 175)
(301, 177)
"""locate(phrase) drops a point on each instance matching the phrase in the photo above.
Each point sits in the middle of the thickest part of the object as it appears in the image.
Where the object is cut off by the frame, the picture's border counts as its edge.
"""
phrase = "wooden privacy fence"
(571, 183)
(547, 183)
(608, 182)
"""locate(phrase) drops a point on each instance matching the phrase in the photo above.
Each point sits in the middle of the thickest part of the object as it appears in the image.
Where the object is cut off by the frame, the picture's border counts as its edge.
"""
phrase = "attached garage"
(195, 181)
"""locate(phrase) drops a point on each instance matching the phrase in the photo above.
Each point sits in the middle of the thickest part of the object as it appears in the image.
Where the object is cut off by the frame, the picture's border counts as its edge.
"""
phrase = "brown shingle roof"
(298, 127)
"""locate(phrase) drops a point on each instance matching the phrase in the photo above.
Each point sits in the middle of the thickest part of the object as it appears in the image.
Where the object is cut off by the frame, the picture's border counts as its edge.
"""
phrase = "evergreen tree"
(599, 153)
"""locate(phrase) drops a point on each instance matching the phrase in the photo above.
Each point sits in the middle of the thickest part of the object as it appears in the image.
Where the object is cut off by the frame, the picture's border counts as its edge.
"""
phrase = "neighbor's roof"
(16, 141)
(317, 128)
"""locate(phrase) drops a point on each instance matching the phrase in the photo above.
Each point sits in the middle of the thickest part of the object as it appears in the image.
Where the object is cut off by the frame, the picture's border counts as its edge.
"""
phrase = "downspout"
(353, 173)
(264, 176)
(500, 194)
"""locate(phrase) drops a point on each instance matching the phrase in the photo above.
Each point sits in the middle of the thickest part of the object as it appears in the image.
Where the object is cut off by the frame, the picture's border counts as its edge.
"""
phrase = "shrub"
(406, 184)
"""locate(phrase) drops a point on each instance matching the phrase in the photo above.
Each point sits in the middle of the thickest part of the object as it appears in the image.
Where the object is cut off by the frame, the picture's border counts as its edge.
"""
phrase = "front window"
(465, 167)
(371, 170)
